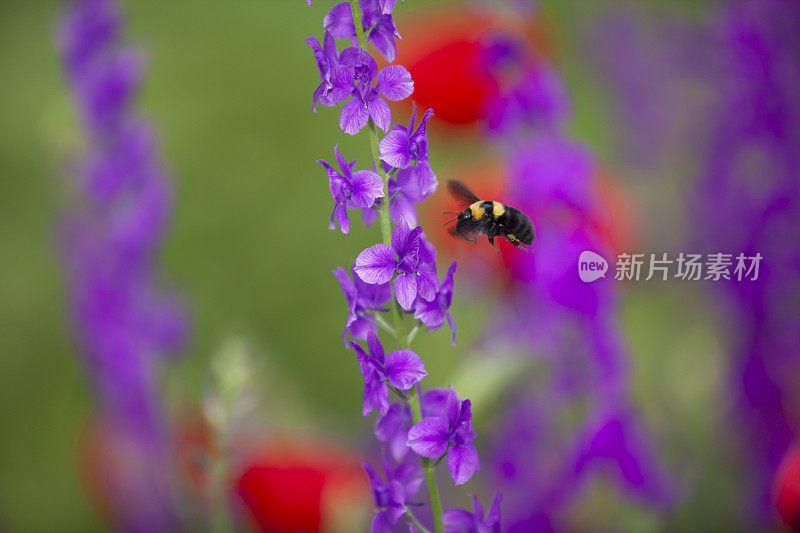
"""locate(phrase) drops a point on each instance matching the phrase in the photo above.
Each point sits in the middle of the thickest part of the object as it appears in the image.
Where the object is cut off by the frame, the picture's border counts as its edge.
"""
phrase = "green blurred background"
(229, 90)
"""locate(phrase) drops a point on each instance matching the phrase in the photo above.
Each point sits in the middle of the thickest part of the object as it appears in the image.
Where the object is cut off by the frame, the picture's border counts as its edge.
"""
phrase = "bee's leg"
(518, 245)
(491, 241)
(491, 235)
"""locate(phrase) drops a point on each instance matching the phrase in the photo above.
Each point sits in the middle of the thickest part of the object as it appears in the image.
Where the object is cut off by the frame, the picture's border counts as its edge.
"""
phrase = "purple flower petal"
(463, 462)
(369, 216)
(376, 395)
(427, 252)
(427, 282)
(452, 408)
(427, 179)
(383, 38)
(376, 264)
(400, 237)
(361, 327)
(342, 162)
(393, 428)
(395, 148)
(396, 509)
(380, 113)
(428, 438)
(381, 524)
(366, 187)
(339, 21)
(401, 208)
(342, 218)
(375, 348)
(342, 85)
(405, 290)
(353, 117)
(458, 521)
(493, 518)
(429, 313)
(395, 83)
(404, 369)
(452, 323)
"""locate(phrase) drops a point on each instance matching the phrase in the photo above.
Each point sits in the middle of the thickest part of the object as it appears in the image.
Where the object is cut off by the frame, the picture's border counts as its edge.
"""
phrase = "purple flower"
(330, 69)
(434, 313)
(461, 521)
(402, 146)
(394, 82)
(391, 496)
(451, 434)
(376, 21)
(539, 101)
(411, 256)
(402, 369)
(350, 189)
(361, 299)
(392, 428)
(404, 192)
(110, 239)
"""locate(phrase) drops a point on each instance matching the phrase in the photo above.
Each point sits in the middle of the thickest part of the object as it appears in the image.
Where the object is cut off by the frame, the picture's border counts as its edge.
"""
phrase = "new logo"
(591, 266)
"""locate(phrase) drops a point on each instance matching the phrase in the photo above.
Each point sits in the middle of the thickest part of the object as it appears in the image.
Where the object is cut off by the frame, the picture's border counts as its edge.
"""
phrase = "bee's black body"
(490, 218)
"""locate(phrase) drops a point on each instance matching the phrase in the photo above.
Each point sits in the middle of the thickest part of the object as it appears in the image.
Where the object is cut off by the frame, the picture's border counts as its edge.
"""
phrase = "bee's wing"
(460, 192)
(466, 230)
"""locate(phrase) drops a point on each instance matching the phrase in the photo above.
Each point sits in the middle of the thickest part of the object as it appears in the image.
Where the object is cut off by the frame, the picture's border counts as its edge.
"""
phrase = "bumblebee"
(488, 217)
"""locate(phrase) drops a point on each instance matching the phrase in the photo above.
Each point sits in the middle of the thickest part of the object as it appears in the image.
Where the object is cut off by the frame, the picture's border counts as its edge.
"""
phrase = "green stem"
(417, 524)
(386, 231)
(385, 325)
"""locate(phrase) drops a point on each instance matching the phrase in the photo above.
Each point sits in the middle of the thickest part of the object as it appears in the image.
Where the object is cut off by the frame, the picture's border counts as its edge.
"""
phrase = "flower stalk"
(405, 340)
(402, 267)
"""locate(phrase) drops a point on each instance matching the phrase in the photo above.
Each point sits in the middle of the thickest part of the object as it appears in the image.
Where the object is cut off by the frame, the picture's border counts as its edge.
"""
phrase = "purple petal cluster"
(393, 82)
(376, 20)
(110, 238)
(358, 188)
(362, 298)
(461, 521)
(404, 193)
(404, 145)
(350, 74)
(402, 369)
(449, 433)
(435, 312)
(411, 256)
(392, 427)
(402, 483)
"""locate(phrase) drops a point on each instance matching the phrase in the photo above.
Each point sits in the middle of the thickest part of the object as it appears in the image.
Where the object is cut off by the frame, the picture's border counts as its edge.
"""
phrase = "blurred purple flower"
(350, 189)
(538, 101)
(110, 241)
(411, 256)
(434, 313)
(461, 521)
(751, 176)
(452, 434)
(361, 299)
(549, 313)
(403, 145)
(402, 369)
(392, 428)
(402, 483)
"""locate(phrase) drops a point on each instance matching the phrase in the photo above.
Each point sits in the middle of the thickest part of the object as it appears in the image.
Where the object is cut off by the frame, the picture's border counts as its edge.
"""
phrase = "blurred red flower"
(787, 488)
